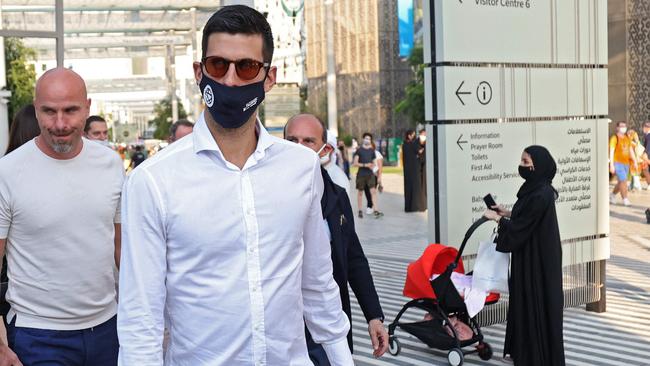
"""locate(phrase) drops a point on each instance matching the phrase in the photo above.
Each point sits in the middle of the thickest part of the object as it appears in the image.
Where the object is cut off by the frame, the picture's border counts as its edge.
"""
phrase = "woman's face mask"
(622, 130)
(367, 142)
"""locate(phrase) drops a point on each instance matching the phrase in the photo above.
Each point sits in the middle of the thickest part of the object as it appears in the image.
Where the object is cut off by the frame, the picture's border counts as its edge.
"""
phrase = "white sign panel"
(521, 31)
(482, 158)
(498, 92)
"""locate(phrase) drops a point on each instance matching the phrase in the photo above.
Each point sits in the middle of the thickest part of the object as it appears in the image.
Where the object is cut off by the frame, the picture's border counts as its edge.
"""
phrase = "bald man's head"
(306, 129)
(62, 106)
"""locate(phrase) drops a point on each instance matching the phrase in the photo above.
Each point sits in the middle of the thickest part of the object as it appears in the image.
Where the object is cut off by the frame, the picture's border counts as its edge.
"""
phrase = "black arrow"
(459, 142)
(459, 93)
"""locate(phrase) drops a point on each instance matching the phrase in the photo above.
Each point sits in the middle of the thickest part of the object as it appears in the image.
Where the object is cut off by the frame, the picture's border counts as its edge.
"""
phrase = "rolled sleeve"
(5, 211)
(140, 321)
(323, 311)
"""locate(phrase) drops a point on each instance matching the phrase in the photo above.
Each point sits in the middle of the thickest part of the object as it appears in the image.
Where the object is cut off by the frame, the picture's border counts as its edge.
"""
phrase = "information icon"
(484, 92)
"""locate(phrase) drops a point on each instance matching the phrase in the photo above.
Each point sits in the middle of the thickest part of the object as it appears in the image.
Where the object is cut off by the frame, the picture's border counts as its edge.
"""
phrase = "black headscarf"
(545, 169)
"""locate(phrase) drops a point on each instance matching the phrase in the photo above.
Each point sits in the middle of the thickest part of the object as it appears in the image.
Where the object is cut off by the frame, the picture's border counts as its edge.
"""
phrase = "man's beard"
(61, 148)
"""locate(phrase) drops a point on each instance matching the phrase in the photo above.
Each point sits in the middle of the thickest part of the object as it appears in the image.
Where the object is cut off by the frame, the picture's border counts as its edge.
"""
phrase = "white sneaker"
(612, 198)
(626, 202)
(368, 210)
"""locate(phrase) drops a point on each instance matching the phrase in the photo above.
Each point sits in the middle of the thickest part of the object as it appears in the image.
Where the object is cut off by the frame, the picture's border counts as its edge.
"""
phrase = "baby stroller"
(440, 299)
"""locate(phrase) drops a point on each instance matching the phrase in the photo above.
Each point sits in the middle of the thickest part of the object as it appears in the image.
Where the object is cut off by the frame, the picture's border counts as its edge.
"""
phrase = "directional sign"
(482, 158)
(521, 31)
(459, 92)
(506, 92)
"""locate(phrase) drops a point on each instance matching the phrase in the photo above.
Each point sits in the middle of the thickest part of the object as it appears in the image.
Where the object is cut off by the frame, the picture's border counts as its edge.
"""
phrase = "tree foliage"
(21, 76)
(413, 103)
(163, 118)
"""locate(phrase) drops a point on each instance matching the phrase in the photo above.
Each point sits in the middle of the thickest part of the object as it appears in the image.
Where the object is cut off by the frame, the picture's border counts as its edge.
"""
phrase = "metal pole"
(4, 110)
(196, 54)
(332, 108)
(59, 32)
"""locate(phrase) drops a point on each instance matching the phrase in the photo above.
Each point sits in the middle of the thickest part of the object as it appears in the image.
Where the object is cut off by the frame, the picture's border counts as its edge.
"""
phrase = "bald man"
(59, 223)
(349, 262)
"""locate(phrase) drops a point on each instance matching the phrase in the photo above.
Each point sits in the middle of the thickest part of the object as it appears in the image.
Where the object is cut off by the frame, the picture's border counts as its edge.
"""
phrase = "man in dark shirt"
(138, 157)
(364, 159)
(350, 263)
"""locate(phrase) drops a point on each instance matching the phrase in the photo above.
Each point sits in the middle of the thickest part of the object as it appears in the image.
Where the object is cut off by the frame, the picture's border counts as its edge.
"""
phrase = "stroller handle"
(468, 234)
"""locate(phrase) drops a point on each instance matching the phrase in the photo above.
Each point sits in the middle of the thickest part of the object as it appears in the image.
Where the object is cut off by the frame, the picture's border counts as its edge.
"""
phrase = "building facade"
(370, 76)
(629, 69)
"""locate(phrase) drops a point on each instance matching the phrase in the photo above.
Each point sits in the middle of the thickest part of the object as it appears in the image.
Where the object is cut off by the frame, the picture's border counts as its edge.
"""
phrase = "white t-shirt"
(58, 218)
(378, 156)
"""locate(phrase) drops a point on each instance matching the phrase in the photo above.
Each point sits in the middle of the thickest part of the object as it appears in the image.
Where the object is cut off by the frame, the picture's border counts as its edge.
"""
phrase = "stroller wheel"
(484, 351)
(455, 357)
(394, 348)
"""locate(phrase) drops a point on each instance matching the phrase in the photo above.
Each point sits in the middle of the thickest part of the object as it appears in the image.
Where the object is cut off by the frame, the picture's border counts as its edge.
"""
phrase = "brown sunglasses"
(246, 68)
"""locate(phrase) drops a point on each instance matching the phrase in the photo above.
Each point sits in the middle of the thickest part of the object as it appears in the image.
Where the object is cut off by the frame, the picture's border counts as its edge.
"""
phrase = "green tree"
(21, 76)
(413, 103)
(163, 118)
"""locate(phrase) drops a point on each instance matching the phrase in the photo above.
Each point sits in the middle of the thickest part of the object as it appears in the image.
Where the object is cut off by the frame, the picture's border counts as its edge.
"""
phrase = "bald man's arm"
(7, 356)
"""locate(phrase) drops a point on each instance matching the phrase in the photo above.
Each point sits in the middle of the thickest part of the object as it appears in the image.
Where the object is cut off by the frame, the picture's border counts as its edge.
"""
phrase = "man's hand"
(612, 169)
(378, 337)
(8, 357)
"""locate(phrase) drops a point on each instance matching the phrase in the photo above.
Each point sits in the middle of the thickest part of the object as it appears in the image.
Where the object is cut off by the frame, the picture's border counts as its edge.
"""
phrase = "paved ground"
(621, 336)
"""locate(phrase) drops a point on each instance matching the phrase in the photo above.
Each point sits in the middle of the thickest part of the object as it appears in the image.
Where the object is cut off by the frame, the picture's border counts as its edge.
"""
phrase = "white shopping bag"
(491, 268)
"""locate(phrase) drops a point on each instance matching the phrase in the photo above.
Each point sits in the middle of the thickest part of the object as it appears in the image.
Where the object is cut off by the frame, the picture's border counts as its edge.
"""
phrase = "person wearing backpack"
(621, 154)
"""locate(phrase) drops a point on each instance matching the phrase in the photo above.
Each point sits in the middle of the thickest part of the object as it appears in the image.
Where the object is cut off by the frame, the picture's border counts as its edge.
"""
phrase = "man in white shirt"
(59, 221)
(213, 237)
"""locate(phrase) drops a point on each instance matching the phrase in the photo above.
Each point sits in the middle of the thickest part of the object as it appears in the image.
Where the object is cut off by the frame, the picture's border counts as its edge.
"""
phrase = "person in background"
(645, 157)
(377, 171)
(414, 199)
(180, 129)
(137, 157)
(23, 128)
(635, 168)
(96, 130)
(344, 161)
(365, 160)
(621, 154)
(531, 234)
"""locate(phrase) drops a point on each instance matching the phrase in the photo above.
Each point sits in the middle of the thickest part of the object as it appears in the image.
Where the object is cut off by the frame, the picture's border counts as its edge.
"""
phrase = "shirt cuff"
(338, 353)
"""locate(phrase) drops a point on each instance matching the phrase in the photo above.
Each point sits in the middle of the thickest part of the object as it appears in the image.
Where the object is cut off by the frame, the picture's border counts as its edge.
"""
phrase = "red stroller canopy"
(434, 260)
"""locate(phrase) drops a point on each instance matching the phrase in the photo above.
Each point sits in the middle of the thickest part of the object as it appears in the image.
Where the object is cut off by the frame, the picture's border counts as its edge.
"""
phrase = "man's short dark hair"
(646, 124)
(240, 19)
(366, 134)
(92, 119)
(620, 122)
(322, 125)
(175, 125)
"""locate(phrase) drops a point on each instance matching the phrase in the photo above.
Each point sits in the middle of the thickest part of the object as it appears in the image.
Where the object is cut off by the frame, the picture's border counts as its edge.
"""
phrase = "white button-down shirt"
(239, 259)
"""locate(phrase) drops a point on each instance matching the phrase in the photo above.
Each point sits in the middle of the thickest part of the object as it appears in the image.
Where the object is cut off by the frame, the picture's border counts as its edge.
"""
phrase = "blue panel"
(405, 18)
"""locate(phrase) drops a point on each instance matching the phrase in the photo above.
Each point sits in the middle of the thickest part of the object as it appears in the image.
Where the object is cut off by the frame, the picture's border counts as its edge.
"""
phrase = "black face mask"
(231, 106)
(525, 172)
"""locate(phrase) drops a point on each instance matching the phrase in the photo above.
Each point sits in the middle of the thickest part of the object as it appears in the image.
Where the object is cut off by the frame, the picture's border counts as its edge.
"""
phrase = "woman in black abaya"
(530, 232)
(414, 192)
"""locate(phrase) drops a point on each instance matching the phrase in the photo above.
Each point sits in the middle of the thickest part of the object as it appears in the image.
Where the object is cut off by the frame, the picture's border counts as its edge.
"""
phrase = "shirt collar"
(203, 140)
